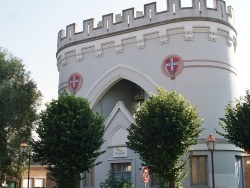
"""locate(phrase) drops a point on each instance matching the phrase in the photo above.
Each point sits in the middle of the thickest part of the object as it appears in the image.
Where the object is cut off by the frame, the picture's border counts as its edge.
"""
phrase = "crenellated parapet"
(130, 21)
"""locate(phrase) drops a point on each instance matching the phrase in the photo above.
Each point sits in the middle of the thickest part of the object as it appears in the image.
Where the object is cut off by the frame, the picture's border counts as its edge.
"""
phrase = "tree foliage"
(166, 126)
(236, 122)
(19, 100)
(70, 138)
(113, 182)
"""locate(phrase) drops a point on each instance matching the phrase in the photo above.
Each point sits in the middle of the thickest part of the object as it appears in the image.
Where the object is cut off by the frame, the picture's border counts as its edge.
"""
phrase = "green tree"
(19, 100)
(70, 139)
(236, 123)
(113, 182)
(166, 126)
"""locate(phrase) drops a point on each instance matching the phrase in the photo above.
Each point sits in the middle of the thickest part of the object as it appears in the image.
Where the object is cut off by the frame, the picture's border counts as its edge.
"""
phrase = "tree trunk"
(77, 180)
(19, 182)
(172, 184)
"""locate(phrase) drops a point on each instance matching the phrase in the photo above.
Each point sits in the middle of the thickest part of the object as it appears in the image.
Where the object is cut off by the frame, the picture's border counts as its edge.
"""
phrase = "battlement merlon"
(131, 20)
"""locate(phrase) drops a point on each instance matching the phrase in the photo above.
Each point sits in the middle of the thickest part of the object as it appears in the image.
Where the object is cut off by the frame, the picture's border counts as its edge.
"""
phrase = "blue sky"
(29, 30)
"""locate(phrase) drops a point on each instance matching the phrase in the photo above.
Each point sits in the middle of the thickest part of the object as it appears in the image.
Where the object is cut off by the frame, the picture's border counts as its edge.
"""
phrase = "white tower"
(117, 65)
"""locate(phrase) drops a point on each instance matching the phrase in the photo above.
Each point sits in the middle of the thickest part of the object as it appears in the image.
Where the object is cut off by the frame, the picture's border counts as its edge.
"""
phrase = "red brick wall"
(36, 171)
(246, 166)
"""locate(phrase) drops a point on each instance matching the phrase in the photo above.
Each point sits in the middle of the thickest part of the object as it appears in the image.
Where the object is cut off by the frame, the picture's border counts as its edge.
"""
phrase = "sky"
(29, 31)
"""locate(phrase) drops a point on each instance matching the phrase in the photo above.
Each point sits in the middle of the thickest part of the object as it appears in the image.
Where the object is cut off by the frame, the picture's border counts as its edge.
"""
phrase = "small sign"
(120, 152)
(145, 174)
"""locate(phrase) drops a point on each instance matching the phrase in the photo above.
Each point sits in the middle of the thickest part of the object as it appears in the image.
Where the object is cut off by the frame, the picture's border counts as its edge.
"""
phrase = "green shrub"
(113, 182)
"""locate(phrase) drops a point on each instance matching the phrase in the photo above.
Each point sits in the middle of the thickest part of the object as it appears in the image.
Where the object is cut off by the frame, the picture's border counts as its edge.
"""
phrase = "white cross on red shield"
(75, 82)
(172, 65)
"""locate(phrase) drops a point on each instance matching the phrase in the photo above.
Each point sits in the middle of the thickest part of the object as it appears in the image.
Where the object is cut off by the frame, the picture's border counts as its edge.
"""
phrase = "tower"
(117, 64)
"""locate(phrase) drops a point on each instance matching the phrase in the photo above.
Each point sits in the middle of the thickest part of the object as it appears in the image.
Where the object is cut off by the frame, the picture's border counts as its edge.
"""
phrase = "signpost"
(145, 175)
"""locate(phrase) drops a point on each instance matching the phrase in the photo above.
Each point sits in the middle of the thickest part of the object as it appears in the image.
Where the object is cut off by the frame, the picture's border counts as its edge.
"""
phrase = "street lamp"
(211, 147)
(23, 148)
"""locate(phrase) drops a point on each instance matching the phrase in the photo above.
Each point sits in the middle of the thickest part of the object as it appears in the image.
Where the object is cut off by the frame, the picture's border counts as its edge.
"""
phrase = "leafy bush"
(113, 182)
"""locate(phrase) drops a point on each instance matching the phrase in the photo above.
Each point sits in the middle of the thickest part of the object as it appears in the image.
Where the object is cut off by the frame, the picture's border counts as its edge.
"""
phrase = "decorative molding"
(213, 33)
(119, 106)
(118, 49)
(212, 36)
(139, 40)
(116, 25)
(64, 62)
(112, 76)
(79, 57)
(163, 39)
(189, 35)
(208, 61)
(98, 52)
(141, 44)
(215, 64)
(210, 66)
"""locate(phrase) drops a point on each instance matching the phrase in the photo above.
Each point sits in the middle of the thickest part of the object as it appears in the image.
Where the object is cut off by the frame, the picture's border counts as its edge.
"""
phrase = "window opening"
(139, 95)
(199, 170)
(89, 177)
(121, 170)
(239, 172)
(186, 3)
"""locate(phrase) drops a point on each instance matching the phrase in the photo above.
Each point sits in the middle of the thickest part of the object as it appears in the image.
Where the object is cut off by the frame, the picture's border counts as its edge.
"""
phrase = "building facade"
(37, 176)
(118, 63)
(246, 166)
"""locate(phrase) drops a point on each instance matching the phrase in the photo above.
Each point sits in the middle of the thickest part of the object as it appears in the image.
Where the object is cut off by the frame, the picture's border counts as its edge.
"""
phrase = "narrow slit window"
(174, 8)
(107, 24)
(88, 29)
(200, 6)
(150, 14)
(70, 34)
(128, 19)
(221, 11)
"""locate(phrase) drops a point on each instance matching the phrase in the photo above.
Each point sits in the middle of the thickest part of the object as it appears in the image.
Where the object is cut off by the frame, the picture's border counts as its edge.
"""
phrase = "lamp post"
(23, 148)
(211, 147)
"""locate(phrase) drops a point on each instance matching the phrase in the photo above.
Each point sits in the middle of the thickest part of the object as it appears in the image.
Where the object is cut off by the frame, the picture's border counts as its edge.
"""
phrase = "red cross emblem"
(172, 66)
(75, 82)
